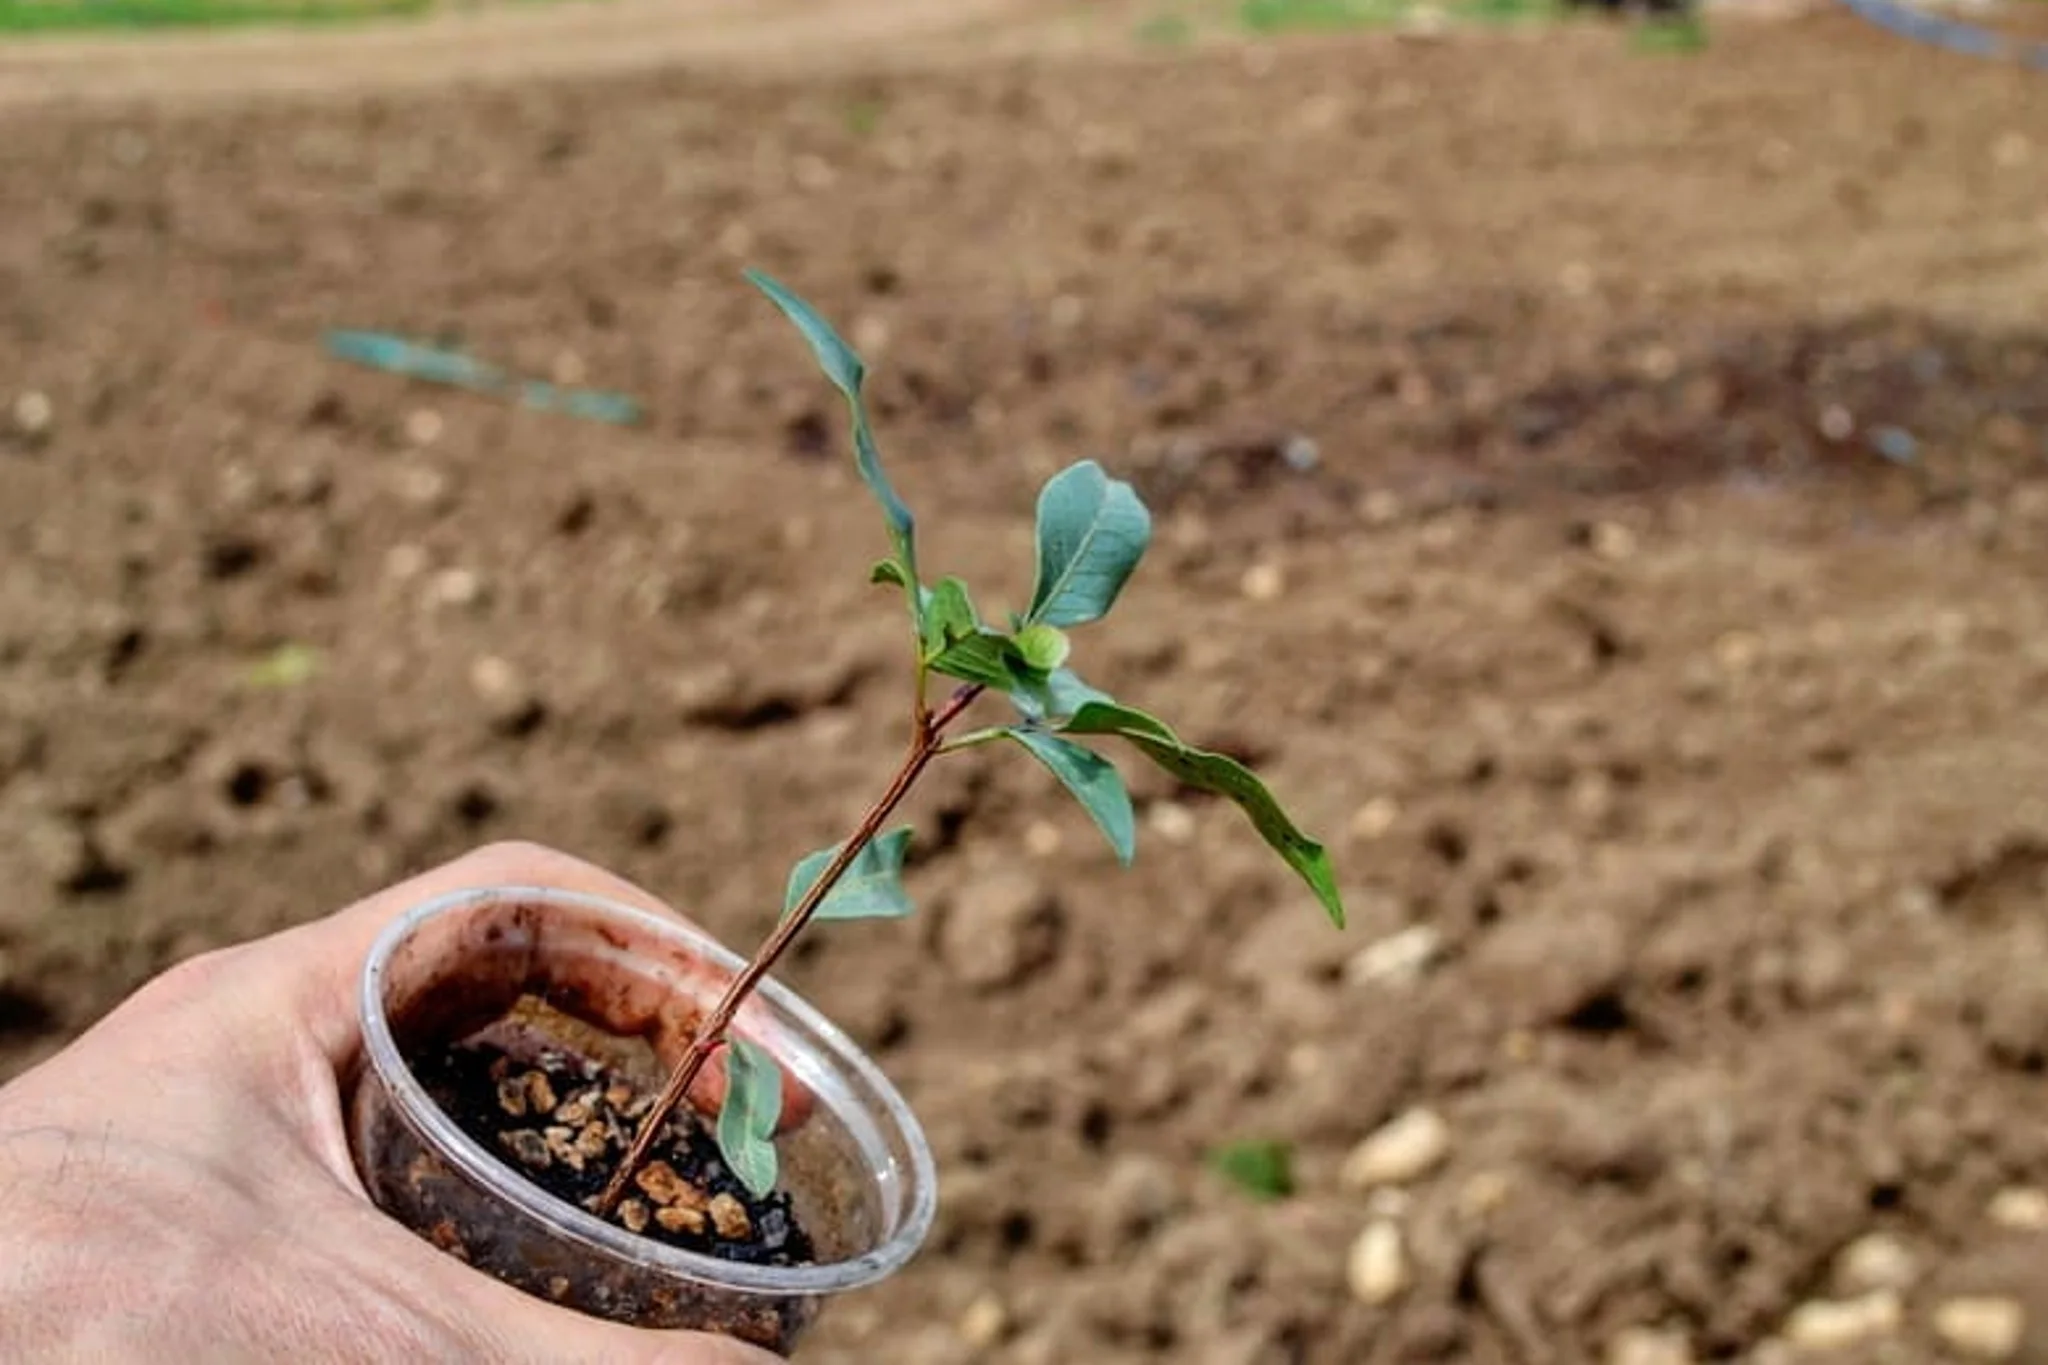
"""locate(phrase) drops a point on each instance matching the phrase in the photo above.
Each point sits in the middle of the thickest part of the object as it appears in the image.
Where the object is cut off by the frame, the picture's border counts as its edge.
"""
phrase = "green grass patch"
(1672, 37)
(1289, 16)
(78, 16)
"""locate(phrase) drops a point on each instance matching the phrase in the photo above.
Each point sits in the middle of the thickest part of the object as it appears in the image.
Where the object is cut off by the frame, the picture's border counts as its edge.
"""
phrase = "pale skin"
(176, 1185)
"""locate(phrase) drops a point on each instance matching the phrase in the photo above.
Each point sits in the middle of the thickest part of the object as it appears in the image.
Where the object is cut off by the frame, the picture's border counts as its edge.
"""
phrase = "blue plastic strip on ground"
(1950, 34)
(396, 355)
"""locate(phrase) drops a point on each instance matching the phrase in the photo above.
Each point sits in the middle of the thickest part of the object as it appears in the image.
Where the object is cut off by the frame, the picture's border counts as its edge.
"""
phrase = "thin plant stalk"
(927, 743)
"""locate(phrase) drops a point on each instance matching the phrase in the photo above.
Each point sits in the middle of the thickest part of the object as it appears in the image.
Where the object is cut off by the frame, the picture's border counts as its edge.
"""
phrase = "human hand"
(177, 1186)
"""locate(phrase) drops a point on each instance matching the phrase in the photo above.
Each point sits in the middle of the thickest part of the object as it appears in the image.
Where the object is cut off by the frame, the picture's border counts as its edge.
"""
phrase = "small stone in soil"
(686, 1195)
(679, 1218)
(528, 1148)
(664, 1186)
(729, 1216)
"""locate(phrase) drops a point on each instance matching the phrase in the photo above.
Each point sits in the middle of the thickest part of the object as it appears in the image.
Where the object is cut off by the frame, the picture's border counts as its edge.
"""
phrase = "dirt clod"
(1000, 928)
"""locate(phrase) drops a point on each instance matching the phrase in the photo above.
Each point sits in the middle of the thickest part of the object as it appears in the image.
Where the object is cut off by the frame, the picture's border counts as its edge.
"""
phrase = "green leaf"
(1224, 775)
(747, 1120)
(1093, 780)
(987, 657)
(889, 571)
(871, 888)
(847, 374)
(1043, 647)
(1092, 531)
(1263, 1170)
(949, 616)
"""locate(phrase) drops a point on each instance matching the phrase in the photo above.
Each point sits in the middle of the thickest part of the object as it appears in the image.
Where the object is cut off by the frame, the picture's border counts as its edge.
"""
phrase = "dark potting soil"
(565, 1122)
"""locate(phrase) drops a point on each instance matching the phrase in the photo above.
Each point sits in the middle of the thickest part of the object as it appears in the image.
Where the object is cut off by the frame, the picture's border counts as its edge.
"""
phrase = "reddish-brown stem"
(924, 747)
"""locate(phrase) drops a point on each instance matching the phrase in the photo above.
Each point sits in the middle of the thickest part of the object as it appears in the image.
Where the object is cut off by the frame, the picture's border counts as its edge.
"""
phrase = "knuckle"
(193, 978)
(522, 860)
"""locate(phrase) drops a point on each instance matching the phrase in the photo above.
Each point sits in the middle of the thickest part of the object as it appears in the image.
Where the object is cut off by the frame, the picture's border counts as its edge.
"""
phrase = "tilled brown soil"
(1606, 494)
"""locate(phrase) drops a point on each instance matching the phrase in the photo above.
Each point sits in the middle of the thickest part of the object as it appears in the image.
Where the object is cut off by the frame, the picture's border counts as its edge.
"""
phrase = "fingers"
(607, 1344)
(526, 1329)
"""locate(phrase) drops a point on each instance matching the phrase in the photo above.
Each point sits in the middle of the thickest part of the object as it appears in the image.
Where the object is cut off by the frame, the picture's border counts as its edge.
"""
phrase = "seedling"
(1092, 531)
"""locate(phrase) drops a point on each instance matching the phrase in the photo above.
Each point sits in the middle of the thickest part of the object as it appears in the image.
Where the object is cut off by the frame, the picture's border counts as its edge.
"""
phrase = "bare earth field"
(1659, 634)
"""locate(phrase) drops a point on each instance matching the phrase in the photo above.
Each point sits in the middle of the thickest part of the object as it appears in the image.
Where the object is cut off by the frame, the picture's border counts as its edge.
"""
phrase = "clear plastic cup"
(857, 1168)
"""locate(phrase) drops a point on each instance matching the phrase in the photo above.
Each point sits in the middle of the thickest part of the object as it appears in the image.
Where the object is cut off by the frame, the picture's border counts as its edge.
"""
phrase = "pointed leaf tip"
(1225, 776)
(1095, 783)
(837, 359)
(844, 368)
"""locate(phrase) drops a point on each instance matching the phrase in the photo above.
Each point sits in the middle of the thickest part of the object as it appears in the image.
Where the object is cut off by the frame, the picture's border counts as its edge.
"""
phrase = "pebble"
(871, 335)
(680, 1218)
(426, 487)
(1612, 541)
(456, 588)
(1738, 650)
(33, 413)
(527, 1147)
(1042, 838)
(404, 562)
(1397, 959)
(424, 427)
(1376, 817)
(1834, 1324)
(2022, 1208)
(1401, 1151)
(1380, 507)
(1981, 1327)
(729, 1216)
(1377, 1269)
(1264, 582)
(1874, 1262)
(1173, 822)
(985, 1323)
(1649, 1346)
(660, 1182)
(510, 705)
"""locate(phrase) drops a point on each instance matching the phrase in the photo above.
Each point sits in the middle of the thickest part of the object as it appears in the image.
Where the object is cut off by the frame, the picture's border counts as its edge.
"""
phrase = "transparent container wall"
(539, 968)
